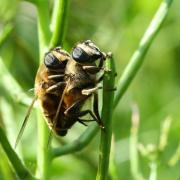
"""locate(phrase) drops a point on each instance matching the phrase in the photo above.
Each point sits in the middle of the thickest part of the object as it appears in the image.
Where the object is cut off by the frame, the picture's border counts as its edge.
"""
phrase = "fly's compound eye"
(52, 62)
(86, 55)
(86, 52)
(80, 55)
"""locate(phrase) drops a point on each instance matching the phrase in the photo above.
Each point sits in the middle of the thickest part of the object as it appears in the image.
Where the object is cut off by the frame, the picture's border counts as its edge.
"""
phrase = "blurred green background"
(115, 26)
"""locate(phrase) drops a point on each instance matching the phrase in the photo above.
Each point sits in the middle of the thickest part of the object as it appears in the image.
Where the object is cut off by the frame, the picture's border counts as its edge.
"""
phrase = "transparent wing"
(25, 121)
(57, 112)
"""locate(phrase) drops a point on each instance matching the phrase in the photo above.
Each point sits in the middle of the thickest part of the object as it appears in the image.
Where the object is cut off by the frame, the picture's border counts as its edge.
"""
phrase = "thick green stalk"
(43, 163)
(138, 56)
(107, 110)
(18, 166)
(113, 167)
(43, 154)
(59, 21)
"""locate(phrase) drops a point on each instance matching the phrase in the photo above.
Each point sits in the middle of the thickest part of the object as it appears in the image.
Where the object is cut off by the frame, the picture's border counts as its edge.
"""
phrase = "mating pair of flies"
(63, 84)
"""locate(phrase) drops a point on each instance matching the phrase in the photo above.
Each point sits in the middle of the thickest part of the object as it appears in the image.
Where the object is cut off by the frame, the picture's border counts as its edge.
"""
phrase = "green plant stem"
(78, 144)
(153, 170)
(43, 162)
(133, 143)
(44, 153)
(43, 27)
(175, 157)
(59, 21)
(18, 166)
(138, 56)
(107, 110)
(163, 140)
(113, 168)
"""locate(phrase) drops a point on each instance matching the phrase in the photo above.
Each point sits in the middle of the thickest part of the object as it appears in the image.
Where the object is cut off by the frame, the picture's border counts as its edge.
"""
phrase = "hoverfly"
(63, 84)
(49, 86)
(81, 76)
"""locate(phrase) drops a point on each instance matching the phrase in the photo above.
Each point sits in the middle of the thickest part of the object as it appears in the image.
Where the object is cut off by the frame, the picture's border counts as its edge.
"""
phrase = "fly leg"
(92, 69)
(97, 119)
(90, 91)
(101, 62)
(73, 111)
(84, 121)
(95, 69)
(93, 90)
(96, 110)
(56, 76)
(57, 86)
(100, 78)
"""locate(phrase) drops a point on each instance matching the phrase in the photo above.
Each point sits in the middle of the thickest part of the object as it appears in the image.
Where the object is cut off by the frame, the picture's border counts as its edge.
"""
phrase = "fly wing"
(57, 112)
(25, 121)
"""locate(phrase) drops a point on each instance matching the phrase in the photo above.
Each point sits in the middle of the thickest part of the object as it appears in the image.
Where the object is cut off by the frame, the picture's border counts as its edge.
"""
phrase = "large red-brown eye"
(52, 62)
(80, 55)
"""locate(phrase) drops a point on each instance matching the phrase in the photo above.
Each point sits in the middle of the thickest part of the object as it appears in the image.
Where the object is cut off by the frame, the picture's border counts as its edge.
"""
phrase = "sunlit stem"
(138, 56)
(107, 109)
